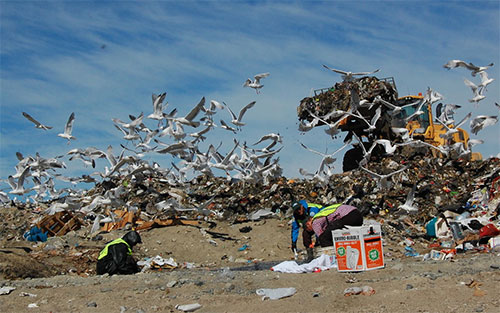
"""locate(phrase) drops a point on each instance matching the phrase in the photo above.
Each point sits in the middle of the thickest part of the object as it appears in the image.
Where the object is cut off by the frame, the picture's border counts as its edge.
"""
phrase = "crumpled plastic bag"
(276, 293)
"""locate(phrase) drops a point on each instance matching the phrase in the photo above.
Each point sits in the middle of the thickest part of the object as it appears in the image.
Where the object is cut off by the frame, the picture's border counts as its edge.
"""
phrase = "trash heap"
(456, 186)
(338, 97)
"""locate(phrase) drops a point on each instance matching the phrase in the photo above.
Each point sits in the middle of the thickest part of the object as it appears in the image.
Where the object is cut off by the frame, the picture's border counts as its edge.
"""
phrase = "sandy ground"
(220, 283)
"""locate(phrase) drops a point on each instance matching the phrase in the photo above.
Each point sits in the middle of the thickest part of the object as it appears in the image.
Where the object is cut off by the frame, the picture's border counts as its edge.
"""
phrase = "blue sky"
(104, 59)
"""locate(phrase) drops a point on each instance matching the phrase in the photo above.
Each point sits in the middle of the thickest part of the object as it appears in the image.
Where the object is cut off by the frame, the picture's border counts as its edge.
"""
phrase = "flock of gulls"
(249, 163)
(255, 163)
(445, 117)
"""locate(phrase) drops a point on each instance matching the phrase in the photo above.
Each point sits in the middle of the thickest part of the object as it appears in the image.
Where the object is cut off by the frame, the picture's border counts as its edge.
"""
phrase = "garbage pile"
(338, 97)
(456, 186)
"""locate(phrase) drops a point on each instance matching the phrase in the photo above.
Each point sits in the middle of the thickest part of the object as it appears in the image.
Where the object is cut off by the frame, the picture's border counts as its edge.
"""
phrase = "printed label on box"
(358, 248)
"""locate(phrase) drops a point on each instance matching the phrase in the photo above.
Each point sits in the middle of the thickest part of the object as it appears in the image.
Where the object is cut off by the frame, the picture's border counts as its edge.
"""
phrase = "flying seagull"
(237, 120)
(473, 68)
(482, 121)
(68, 128)
(255, 84)
(37, 123)
(348, 76)
(382, 180)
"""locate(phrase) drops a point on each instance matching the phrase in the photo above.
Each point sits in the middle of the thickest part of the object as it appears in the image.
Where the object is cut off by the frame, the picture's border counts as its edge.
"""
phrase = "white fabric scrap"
(323, 262)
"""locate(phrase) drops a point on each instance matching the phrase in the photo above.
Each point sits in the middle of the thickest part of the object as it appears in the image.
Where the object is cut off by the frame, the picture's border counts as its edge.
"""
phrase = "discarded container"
(489, 231)
(358, 248)
(456, 230)
(494, 243)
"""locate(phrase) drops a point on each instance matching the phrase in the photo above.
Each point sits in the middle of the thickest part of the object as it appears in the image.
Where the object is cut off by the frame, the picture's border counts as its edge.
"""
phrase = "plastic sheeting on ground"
(322, 263)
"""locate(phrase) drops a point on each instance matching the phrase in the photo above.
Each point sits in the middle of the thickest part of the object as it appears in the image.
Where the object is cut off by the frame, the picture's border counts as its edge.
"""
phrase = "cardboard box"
(358, 248)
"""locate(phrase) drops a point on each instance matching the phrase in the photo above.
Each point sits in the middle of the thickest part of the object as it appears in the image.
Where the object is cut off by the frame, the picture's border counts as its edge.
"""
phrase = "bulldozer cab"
(418, 124)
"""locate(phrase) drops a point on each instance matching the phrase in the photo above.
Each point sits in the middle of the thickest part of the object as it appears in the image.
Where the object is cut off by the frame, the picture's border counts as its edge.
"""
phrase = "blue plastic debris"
(243, 247)
(35, 234)
(411, 252)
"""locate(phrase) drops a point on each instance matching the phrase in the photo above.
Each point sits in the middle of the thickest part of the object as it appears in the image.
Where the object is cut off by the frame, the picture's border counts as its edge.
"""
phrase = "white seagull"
(37, 123)
(473, 68)
(382, 180)
(256, 83)
(237, 120)
(188, 119)
(157, 106)
(348, 76)
(68, 128)
(482, 121)
(485, 80)
(408, 205)
(478, 92)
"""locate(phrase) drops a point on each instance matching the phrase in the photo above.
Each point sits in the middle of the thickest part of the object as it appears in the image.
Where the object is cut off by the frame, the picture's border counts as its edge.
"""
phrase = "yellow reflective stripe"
(314, 205)
(327, 210)
(104, 252)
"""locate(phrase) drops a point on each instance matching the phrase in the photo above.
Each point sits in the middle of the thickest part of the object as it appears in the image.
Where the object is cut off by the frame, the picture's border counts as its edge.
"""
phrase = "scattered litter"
(32, 305)
(6, 290)
(365, 290)
(276, 293)
(322, 263)
(188, 307)
(27, 294)
(157, 263)
(244, 247)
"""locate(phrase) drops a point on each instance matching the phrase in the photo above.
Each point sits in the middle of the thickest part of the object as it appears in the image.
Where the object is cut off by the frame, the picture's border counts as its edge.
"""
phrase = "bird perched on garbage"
(408, 205)
(255, 84)
(348, 76)
(37, 123)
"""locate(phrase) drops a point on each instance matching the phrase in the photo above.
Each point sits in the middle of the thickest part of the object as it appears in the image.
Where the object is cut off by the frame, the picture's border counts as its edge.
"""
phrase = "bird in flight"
(348, 76)
(237, 120)
(255, 84)
(37, 123)
(68, 128)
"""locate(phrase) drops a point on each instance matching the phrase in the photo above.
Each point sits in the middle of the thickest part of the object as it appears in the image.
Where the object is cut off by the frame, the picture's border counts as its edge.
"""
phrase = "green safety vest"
(104, 251)
(327, 210)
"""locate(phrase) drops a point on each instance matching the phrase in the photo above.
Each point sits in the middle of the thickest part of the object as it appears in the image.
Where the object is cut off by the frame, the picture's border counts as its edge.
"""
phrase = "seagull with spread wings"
(255, 84)
(237, 120)
(348, 76)
(382, 180)
(68, 128)
(473, 68)
(37, 123)
(482, 121)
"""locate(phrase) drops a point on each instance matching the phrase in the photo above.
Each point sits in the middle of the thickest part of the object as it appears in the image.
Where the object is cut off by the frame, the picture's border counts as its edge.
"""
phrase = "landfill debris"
(321, 263)
(59, 223)
(156, 263)
(35, 234)
(6, 290)
(365, 290)
(188, 307)
(276, 293)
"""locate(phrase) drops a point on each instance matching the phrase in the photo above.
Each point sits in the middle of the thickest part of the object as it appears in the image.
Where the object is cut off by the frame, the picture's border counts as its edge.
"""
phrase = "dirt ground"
(225, 279)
